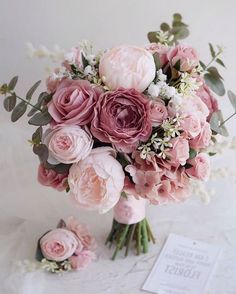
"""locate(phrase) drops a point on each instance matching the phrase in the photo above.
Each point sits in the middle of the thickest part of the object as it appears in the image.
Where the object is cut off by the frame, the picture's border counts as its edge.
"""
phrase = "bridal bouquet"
(126, 126)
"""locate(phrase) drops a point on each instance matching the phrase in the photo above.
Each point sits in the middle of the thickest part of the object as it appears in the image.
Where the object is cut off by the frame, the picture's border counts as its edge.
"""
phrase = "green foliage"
(232, 99)
(172, 33)
(217, 125)
(214, 80)
(12, 83)
(41, 118)
(31, 91)
(18, 111)
(9, 102)
(42, 151)
(192, 153)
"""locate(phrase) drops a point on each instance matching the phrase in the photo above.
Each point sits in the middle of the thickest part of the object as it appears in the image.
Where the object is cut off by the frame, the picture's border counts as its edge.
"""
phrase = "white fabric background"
(28, 209)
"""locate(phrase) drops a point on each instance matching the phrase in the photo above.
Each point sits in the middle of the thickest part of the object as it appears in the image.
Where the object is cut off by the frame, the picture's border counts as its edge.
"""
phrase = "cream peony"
(127, 67)
(97, 181)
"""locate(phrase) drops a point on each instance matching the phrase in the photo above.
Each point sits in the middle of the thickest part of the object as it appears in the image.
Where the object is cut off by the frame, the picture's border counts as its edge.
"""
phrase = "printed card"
(183, 267)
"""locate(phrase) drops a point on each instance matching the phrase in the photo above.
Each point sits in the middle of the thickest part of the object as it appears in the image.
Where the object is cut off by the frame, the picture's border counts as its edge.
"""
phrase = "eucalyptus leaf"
(32, 90)
(215, 123)
(177, 17)
(9, 102)
(180, 32)
(212, 50)
(214, 72)
(61, 224)
(60, 168)
(215, 84)
(157, 61)
(192, 153)
(37, 136)
(219, 61)
(84, 61)
(202, 64)
(177, 65)
(12, 84)
(152, 37)
(40, 119)
(232, 99)
(18, 111)
(165, 27)
(42, 151)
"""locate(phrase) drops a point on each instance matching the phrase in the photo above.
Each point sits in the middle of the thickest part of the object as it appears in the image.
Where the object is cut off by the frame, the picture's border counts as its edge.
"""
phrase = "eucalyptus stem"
(212, 60)
(227, 119)
(144, 236)
(120, 241)
(150, 232)
(138, 238)
(27, 102)
(130, 238)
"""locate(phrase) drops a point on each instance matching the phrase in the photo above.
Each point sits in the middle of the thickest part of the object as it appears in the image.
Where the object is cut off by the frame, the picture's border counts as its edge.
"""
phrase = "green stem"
(227, 119)
(27, 102)
(213, 59)
(144, 236)
(138, 238)
(150, 232)
(120, 241)
(130, 238)
(111, 232)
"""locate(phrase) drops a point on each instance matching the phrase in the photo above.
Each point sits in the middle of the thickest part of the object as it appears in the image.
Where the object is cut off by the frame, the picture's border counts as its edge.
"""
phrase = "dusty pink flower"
(68, 144)
(74, 56)
(207, 97)
(82, 233)
(50, 178)
(127, 67)
(161, 51)
(82, 259)
(130, 210)
(122, 118)
(59, 244)
(187, 56)
(200, 167)
(191, 126)
(179, 152)
(203, 139)
(158, 112)
(73, 102)
(97, 181)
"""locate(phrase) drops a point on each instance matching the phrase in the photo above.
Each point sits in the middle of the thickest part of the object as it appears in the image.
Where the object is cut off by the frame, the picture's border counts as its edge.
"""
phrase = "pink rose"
(191, 126)
(82, 259)
(73, 102)
(67, 144)
(179, 152)
(127, 67)
(122, 118)
(59, 244)
(161, 51)
(97, 181)
(203, 139)
(187, 55)
(200, 167)
(50, 178)
(192, 105)
(158, 112)
(81, 231)
(207, 97)
(130, 210)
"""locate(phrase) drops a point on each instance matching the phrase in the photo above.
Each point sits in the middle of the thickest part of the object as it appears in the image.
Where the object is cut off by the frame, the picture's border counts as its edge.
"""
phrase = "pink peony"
(68, 144)
(207, 97)
(158, 112)
(122, 118)
(82, 233)
(82, 259)
(161, 51)
(187, 55)
(97, 181)
(127, 67)
(179, 152)
(50, 178)
(73, 102)
(203, 139)
(200, 167)
(191, 126)
(130, 210)
(59, 244)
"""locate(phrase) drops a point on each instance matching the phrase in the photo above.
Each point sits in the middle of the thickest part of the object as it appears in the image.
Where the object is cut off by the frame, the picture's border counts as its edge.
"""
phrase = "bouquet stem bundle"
(122, 235)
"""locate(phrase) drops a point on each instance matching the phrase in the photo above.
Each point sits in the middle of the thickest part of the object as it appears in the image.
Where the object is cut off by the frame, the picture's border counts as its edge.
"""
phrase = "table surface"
(28, 210)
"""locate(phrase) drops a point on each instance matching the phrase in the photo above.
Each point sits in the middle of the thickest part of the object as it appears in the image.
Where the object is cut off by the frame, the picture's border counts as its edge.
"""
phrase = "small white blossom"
(153, 90)
(145, 150)
(164, 37)
(160, 76)
(188, 84)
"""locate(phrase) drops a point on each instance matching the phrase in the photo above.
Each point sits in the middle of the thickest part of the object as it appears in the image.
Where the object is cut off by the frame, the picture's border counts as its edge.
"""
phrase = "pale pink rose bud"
(127, 67)
(59, 244)
(67, 144)
(191, 126)
(97, 181)
(158, 112)
(130, 210)
(179, 152)
(161, 50)
(203, 139)
(82, 259)
(187, 56)
(200, 167)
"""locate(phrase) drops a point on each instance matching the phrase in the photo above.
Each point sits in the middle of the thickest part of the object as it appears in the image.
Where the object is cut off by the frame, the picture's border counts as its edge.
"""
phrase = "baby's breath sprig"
(55, 267)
